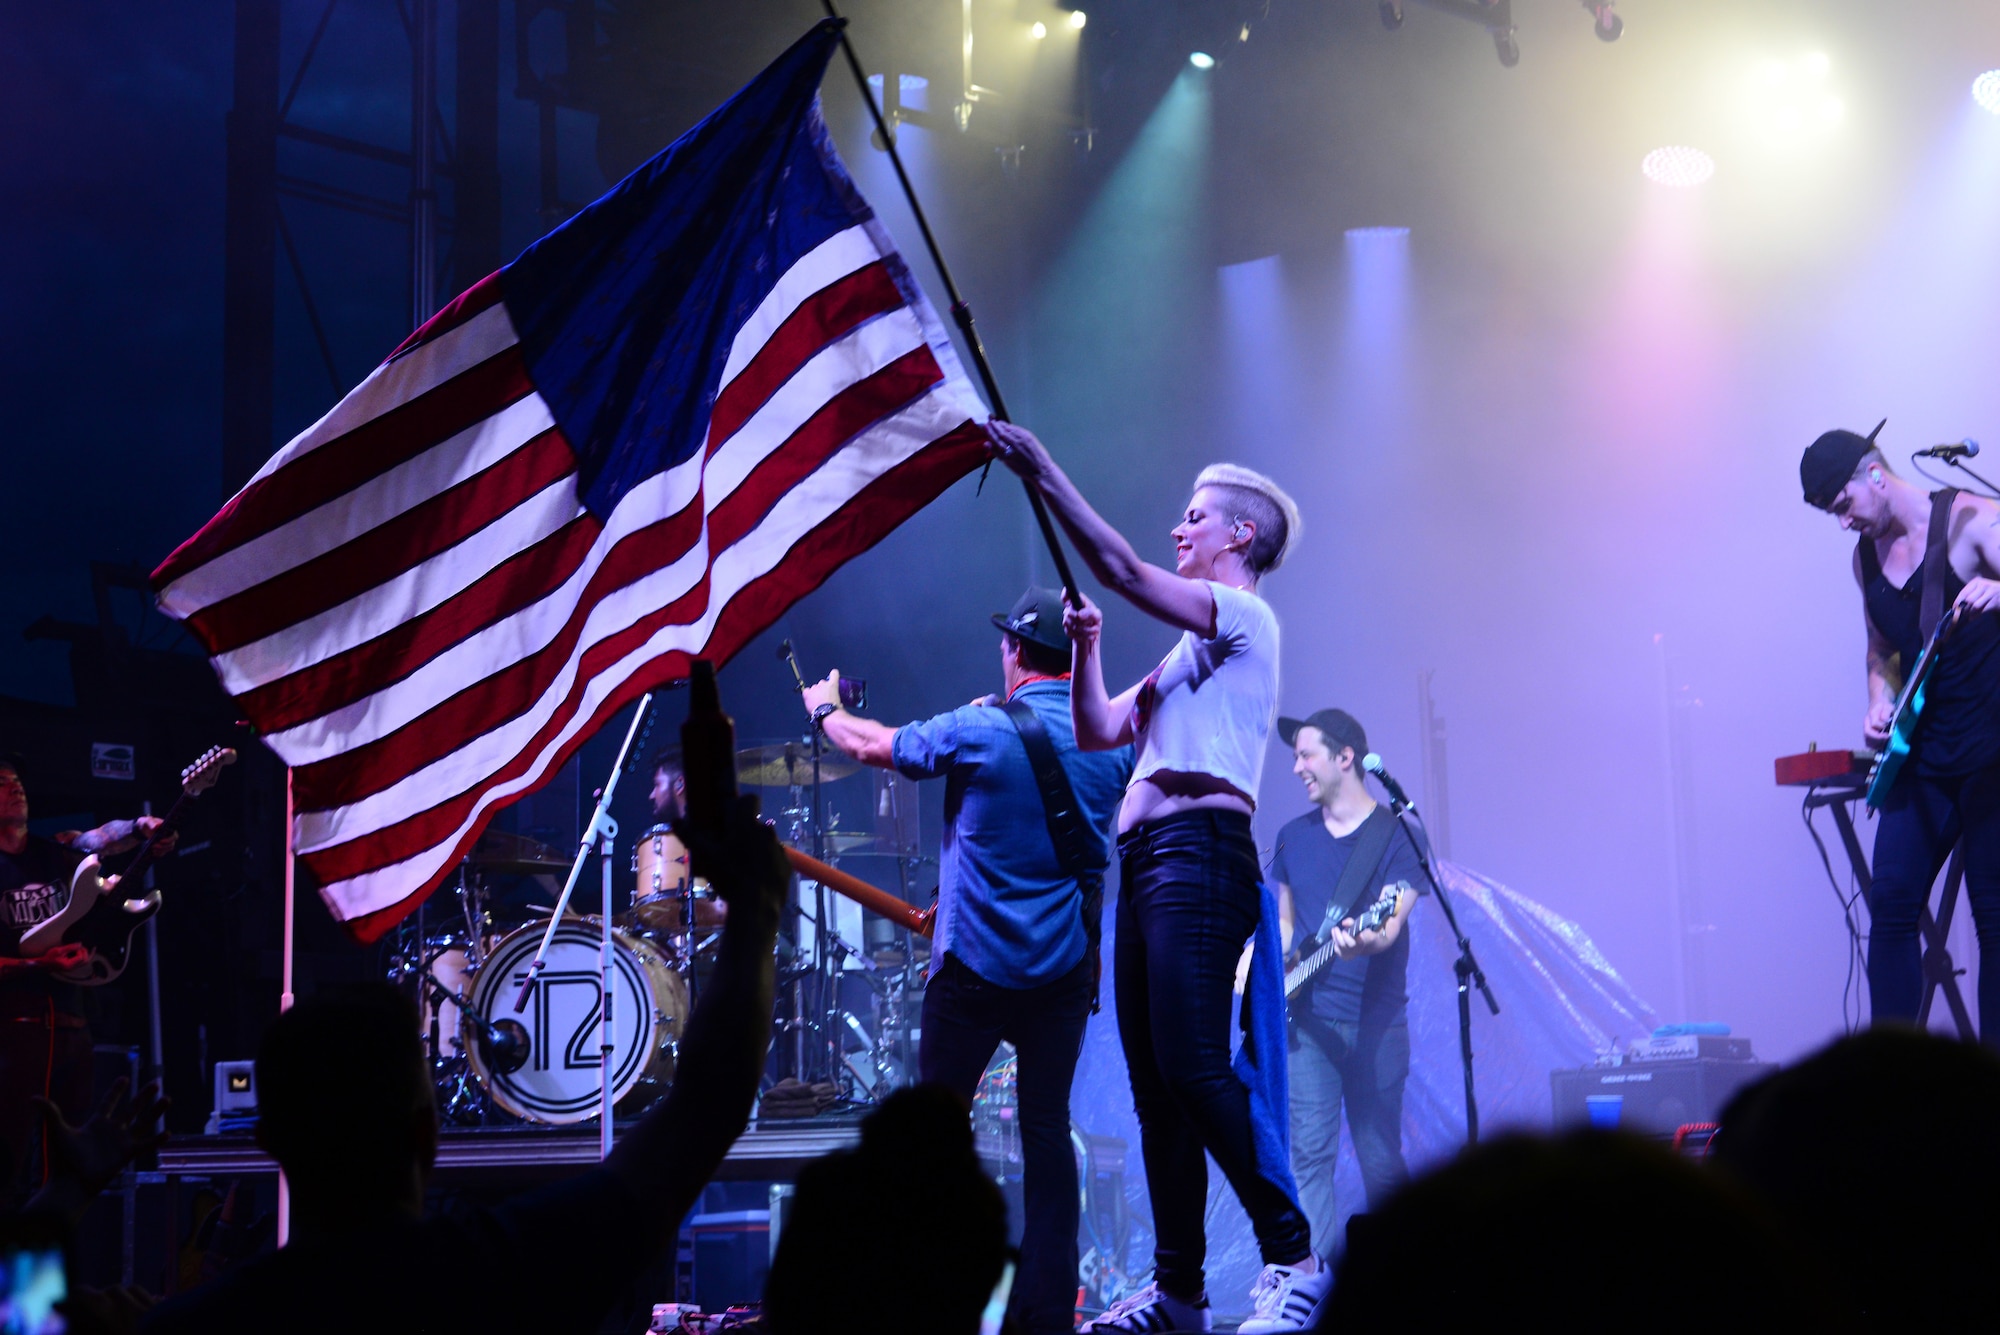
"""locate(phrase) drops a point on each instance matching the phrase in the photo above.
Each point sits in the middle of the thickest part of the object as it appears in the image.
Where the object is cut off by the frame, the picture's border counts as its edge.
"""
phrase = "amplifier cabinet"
(1655, 1098)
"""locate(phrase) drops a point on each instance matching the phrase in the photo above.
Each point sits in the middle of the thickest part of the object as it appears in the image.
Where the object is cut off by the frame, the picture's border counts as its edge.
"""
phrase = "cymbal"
(504, 854)
(845, 841)
(789, 765)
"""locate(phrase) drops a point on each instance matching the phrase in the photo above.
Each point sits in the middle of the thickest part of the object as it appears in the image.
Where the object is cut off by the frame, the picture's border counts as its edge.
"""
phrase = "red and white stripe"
(412, 606)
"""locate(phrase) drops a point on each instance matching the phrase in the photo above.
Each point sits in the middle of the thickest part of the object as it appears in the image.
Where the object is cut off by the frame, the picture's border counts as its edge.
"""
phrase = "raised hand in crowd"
(84, 1159)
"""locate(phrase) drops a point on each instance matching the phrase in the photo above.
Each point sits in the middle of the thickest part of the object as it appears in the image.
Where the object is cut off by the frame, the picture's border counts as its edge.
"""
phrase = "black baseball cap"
(1037, 618)
(1339, 727)
(1828, 464)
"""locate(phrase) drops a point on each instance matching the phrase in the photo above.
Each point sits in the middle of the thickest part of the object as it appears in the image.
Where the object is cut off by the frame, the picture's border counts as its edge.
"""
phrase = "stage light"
(1201, 60)
(1986, 91)
(1038, 31)
(1363, 234)
(1077, 18)
(1678, 166)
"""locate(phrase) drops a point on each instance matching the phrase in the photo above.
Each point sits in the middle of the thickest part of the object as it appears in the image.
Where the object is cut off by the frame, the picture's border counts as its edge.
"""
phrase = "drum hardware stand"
(890, 997)
(600, 835)
(829, 986)
(839, 1019)
(472, 907)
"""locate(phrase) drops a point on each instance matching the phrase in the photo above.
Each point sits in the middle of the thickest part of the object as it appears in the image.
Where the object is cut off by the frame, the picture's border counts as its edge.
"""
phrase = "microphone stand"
(1958, 462)
(503, 1043)
(1466, 966)
(600, 836)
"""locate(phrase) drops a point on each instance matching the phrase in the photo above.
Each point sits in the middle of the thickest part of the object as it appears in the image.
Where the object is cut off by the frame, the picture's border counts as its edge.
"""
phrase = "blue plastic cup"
(1604, 1110)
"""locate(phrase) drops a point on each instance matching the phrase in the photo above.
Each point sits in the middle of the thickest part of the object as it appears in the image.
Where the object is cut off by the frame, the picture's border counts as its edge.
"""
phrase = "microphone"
(504, 1045)
(1967, 447)
(1373, 764)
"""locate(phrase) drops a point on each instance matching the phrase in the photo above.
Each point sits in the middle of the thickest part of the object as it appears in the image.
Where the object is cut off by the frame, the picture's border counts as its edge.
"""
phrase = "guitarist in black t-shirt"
(1919, 555)
(1350, 1036)
(45, 1043)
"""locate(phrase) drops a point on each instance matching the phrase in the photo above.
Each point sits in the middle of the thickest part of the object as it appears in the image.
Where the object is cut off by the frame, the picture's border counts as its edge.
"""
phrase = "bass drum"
(558, 1083)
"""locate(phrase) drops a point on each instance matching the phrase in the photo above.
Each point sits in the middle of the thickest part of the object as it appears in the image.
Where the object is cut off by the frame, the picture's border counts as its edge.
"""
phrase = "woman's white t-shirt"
(1208, 708)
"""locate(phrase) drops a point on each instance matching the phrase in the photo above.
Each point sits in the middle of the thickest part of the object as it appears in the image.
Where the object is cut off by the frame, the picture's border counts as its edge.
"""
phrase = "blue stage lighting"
(1201, 60)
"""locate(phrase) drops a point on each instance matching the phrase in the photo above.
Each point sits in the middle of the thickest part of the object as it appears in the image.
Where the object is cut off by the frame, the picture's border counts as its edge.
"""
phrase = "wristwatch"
(820, 713)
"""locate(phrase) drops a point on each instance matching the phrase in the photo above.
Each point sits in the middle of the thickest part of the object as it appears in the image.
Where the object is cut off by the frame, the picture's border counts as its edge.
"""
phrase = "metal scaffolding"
(256, 226)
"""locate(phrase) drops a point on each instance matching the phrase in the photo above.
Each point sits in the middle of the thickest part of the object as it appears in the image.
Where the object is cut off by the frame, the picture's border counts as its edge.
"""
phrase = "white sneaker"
(1149, 1311)
(1285, 1298)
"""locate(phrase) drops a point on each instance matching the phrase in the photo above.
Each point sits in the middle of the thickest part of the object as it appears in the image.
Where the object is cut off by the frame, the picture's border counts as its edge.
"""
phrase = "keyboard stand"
(1940, 974)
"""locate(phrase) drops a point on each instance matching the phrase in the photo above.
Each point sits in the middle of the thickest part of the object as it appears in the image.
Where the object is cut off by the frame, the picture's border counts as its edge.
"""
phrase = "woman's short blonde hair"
(1257, 498)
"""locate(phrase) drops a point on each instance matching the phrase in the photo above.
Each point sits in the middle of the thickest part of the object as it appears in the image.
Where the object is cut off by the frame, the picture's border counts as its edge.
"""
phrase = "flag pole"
(961, 313)
(285, 996)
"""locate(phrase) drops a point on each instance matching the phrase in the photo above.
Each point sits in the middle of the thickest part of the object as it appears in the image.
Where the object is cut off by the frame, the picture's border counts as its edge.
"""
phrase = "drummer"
(669, 785)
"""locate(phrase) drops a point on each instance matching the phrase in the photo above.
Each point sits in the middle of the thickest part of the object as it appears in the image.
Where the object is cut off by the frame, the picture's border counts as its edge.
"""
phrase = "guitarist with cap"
(1020, 886)
(1340, 865)
(1918, 555)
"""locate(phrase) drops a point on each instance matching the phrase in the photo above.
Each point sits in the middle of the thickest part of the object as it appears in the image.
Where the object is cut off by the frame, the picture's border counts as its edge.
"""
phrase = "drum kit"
(514, 1043)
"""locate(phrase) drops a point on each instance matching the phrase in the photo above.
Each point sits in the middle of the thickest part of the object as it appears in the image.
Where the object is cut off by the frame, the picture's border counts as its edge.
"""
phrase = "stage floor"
(768, 1151)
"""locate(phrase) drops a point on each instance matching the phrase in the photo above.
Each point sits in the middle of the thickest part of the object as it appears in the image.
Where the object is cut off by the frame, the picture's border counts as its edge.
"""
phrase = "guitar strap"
(1936, 567)
(1363, 870)
(1077, 853)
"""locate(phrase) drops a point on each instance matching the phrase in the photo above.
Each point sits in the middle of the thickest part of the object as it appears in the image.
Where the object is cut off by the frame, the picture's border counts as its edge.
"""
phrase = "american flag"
(636, 445)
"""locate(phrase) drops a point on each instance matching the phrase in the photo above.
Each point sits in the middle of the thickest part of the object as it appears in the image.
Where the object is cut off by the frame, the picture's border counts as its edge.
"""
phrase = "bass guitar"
(100, 918)
(1909, 709)
(1370, 920)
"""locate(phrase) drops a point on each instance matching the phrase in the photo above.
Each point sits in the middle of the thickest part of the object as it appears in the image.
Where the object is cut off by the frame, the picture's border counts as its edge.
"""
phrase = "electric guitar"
(102, 921)
(1370, 920)
(1909, 709)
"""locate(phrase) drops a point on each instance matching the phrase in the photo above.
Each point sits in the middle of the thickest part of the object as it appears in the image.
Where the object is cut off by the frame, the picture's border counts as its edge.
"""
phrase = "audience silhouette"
(1881, 1154)
(906, 1235)
(1584, 1231)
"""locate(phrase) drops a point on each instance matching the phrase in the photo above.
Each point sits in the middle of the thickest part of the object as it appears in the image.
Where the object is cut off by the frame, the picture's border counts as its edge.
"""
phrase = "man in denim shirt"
(1013, 957)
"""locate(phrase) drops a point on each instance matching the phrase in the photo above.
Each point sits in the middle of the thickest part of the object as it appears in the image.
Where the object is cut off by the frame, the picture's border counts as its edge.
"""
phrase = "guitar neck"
(1306, 968)
(164, 828)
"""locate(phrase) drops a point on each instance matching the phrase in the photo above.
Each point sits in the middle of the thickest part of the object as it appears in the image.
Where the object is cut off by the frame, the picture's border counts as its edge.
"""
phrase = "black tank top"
(1960, 729)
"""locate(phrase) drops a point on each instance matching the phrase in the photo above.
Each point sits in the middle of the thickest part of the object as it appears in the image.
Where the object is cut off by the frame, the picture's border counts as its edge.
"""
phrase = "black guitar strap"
(1079, 851)
(1936, 567)
(1363, 871)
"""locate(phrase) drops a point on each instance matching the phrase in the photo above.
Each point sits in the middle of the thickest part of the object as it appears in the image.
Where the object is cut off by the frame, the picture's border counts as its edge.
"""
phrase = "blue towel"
(1261, 1062)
